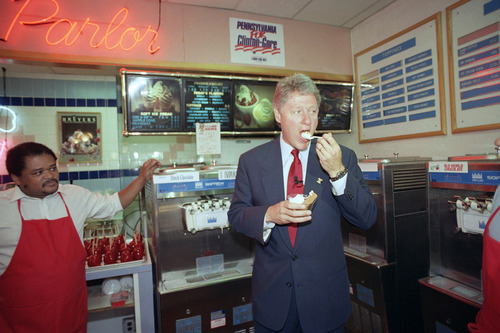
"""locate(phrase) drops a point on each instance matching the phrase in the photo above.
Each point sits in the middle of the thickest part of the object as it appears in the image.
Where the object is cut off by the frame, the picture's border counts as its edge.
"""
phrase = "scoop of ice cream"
(159, 92)
(245, 97)
(298, 198)
(306, 135)
(307, 200)
(264, 111)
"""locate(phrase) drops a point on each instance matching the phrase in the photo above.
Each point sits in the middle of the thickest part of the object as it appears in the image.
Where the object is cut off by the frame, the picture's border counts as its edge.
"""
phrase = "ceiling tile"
(333, 12)
(277, 8)
(366, 13)
(226, 4)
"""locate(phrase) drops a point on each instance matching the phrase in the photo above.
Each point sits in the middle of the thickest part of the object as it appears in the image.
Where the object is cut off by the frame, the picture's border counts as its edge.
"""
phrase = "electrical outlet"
(128, 325)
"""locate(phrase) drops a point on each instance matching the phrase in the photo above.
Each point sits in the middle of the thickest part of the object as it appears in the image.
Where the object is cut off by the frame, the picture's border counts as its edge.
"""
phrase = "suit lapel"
(272, 176)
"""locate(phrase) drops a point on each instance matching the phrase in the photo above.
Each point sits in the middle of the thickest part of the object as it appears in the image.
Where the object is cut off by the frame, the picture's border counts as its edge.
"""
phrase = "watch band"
(339, 175)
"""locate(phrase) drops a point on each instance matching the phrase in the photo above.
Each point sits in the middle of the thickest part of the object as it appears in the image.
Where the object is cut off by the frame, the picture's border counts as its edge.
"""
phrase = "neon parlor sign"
(9, 129)
(3, 147)
(66, 31)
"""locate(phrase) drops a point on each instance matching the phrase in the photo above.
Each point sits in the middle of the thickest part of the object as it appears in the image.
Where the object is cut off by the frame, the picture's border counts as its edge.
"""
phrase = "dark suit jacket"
(316, 266)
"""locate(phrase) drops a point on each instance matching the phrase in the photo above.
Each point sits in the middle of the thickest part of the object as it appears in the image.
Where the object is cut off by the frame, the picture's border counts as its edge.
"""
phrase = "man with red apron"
(45, 279)
(488, 318)
(42, 258)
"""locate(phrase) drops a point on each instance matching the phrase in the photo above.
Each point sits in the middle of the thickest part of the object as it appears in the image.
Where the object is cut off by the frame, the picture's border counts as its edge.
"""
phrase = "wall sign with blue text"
(399, 85)
(473, 41)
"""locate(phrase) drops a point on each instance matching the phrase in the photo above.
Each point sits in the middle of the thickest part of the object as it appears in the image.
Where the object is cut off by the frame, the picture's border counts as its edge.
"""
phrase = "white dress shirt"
(338, 186)
(81, 203)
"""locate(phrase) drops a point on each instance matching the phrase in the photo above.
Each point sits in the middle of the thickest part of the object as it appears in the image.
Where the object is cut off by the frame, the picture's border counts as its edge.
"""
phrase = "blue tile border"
(59, 102)
(87, 175)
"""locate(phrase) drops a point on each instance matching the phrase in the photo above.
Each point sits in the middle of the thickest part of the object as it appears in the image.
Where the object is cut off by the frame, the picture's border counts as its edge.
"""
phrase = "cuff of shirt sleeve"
(268, 227)
(338, 186)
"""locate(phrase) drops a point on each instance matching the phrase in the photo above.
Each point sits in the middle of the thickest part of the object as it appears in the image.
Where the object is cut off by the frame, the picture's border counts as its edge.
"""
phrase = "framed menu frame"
(474, 65)
(399, 84)
(79, 137)
(200, 98)
(153, 103)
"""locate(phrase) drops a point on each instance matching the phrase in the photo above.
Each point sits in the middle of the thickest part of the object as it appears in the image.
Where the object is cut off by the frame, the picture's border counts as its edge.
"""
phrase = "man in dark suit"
(302, 287)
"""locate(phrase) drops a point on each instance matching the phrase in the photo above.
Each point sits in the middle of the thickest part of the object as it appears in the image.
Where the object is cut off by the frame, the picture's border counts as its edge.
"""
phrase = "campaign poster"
(256, 43)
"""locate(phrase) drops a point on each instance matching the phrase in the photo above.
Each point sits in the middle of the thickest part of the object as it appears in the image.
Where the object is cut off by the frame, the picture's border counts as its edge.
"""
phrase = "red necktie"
(295, 185)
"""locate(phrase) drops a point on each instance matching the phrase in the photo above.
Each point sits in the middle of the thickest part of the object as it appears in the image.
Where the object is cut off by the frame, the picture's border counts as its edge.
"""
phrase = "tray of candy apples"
(109, 249)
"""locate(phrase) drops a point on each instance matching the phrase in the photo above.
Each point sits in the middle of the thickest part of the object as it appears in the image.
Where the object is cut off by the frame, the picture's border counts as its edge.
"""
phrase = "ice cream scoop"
(306, 135)
(308, 200)
(158, 97)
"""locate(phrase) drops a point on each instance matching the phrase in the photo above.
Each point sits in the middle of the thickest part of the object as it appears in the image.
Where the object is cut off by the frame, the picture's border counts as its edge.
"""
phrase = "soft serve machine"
(460, 194)
(202, 268)
(385, 262)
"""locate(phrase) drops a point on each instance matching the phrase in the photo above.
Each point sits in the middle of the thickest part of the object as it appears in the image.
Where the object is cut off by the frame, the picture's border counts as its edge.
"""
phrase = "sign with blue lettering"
(446, 173)
(472, 177)
(371, 175)
(199, 185)
(400, 81)
(475, 65)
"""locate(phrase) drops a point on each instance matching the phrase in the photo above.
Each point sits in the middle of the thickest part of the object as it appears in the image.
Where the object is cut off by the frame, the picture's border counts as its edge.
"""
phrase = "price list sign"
(400, 86)
(208, 101)
(475, 65)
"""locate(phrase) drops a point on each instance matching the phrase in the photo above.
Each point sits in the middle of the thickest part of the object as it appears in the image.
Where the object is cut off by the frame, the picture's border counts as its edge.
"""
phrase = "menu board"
(400, 89)
(474, 57)
(172, 103)
(154, 104)
(207, 101)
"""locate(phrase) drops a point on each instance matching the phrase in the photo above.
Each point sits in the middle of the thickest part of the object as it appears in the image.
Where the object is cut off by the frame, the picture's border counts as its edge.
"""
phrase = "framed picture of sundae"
(79, 137)
(253, 107)
(152, 103)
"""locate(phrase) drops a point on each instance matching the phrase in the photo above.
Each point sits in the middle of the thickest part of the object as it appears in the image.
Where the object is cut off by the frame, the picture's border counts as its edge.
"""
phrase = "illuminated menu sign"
(154, 104)
(173, 103)
(207, 101)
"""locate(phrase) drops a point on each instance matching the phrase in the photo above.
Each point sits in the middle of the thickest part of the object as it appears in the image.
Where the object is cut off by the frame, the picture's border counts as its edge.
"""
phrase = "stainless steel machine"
(460, 194)
(202, 267)
(386, 261)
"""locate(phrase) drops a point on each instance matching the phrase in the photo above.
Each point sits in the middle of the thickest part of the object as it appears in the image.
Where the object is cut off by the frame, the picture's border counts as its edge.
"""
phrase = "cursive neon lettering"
(65, 36)
(109, 31)
(44, 20)
(65, 30)
(135, 36)
(14, 21)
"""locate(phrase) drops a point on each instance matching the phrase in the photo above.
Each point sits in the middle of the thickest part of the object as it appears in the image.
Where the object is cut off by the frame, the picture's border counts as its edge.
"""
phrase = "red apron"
(44, 289)
(488, 318)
